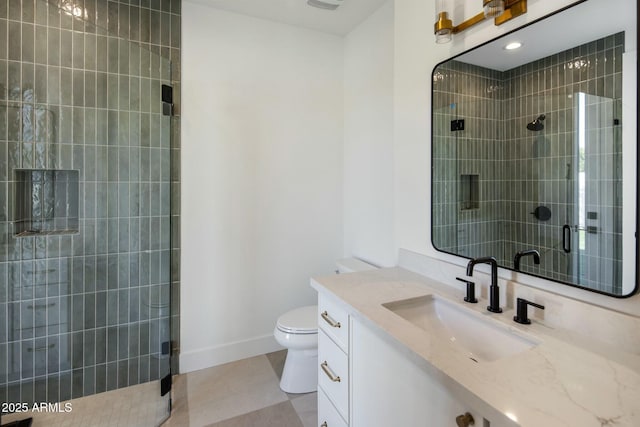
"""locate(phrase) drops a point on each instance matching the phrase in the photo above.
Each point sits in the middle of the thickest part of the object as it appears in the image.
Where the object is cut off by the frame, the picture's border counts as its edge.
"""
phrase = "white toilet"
(297, 330)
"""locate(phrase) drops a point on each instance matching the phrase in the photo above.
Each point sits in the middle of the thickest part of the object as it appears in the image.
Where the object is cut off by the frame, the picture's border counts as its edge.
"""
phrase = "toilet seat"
(300, 321)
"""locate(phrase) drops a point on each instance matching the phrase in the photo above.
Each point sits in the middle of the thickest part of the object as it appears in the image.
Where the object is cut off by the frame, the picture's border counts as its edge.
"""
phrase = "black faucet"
(516, 259)
(471, 290)
(494, 290)
(521, 311)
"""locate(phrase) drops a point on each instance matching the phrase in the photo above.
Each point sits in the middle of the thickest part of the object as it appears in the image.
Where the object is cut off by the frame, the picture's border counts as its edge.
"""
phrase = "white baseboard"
(212, 356)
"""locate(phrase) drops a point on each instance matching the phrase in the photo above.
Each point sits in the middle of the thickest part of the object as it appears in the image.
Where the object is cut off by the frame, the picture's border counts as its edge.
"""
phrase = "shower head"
(536, 125)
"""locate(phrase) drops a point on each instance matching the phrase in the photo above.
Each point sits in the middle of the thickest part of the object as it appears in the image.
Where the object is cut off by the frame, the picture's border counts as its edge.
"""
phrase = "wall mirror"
(534, 149)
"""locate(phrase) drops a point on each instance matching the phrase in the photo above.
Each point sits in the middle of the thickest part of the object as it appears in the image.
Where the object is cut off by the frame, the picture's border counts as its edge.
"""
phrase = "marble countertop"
(559, 382)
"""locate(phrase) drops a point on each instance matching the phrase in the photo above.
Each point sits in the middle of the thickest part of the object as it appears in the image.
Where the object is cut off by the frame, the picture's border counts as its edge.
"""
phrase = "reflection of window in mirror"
(544, 134)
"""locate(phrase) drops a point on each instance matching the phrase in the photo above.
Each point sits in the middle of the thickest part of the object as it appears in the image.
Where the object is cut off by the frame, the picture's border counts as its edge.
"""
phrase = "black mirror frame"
(637, 222)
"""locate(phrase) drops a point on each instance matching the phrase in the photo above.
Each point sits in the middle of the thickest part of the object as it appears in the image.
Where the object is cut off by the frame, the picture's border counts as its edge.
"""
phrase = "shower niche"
(46, 202)
(469, 191)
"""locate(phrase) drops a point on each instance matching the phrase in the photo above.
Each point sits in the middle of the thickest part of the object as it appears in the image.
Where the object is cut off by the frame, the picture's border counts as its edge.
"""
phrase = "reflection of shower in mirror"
(554, 146)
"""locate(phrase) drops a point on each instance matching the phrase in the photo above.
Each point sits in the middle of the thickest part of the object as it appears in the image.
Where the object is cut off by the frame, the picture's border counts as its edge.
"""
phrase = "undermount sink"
(483, 339)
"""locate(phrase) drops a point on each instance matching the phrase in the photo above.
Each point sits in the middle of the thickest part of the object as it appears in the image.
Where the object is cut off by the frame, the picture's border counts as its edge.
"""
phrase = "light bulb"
(443, 28)
(513, 45)
(493, 8)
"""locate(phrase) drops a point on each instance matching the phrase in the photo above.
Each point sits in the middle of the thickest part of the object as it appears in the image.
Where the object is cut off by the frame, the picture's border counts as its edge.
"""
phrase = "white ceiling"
(580, 24)
(299, 13)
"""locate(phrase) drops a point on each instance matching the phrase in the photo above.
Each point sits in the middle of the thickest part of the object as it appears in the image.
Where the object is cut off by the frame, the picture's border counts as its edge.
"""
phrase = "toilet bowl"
(297, 330)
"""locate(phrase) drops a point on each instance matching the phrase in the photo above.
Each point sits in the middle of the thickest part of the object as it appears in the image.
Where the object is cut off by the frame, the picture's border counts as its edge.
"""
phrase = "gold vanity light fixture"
(443, 28)
(500, 10)
(492, 8)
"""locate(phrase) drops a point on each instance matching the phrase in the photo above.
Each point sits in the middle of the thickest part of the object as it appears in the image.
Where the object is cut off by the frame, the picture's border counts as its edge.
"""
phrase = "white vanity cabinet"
(333, 363)
(388, 389)
(367, 381)
(402, 370)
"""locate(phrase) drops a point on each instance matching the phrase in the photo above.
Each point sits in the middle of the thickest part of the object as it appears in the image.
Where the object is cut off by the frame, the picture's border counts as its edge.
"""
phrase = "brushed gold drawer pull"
(329, 320)
(333, 377)
(465, 420)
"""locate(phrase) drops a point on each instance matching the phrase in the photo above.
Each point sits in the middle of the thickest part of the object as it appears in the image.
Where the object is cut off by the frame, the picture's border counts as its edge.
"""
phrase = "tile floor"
(245, 393)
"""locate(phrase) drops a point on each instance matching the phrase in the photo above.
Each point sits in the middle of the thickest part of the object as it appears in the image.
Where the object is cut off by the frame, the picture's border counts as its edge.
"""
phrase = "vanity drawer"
(334, 320)
(333, 373)
(328, 415)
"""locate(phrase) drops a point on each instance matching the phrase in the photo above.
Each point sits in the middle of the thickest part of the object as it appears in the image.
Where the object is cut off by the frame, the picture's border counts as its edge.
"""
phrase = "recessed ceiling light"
(513, 45)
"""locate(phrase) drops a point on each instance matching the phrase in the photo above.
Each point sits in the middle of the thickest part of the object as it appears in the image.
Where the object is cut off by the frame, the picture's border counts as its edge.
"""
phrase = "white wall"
(264, 194)
(368, 139)
(416, 54)
(261, 178)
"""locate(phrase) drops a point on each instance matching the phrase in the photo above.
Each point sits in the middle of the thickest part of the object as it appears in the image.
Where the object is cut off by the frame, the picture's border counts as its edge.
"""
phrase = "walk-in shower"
(85, 177)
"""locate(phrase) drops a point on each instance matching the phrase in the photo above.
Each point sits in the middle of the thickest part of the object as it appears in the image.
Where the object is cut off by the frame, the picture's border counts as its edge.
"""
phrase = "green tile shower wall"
(495, 144)
(84, 313)
(537, 161)
(471, 93)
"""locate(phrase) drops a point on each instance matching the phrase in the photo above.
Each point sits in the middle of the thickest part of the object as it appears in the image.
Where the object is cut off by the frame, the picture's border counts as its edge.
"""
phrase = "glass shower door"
(595, 238)
(445, 202)
(84, 219)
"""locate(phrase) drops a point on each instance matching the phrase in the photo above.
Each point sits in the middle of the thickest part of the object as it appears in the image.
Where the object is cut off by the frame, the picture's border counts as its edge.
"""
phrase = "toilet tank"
(350, 265)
